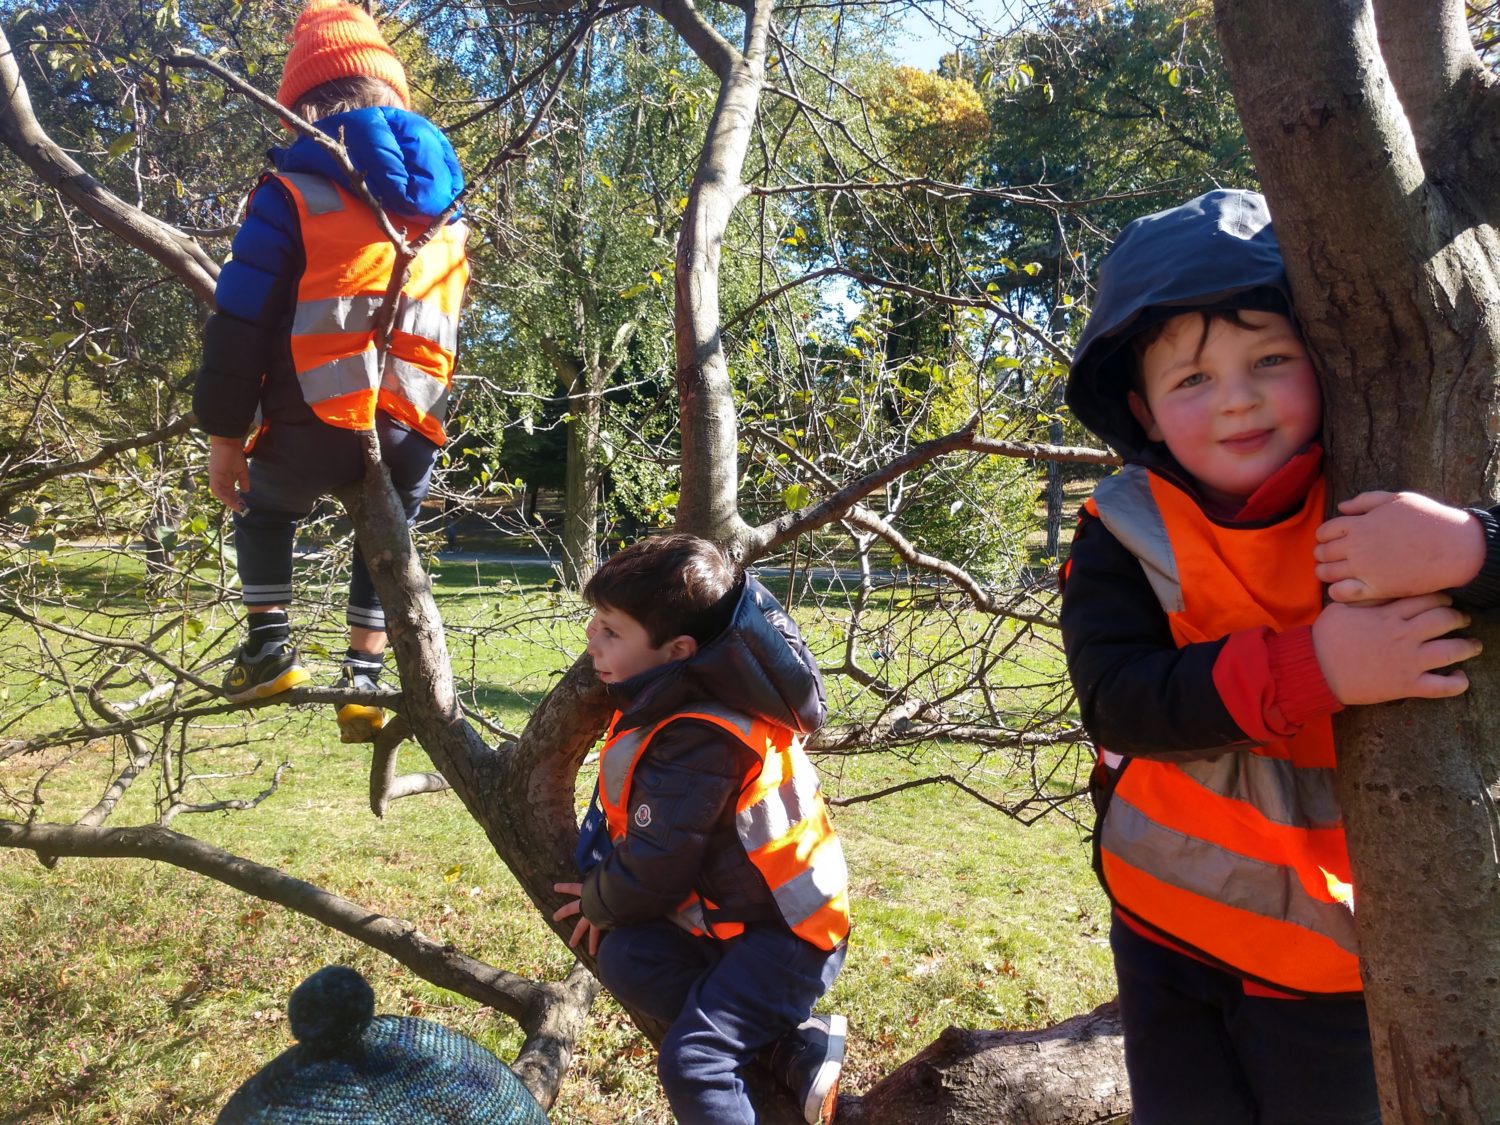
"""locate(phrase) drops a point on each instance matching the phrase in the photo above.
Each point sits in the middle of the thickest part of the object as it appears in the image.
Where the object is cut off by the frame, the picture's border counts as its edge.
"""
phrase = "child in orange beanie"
(290, 356)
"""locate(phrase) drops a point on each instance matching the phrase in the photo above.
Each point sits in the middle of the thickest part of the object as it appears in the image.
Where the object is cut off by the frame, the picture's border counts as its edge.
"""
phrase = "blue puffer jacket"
(692, 772)
(411, 169)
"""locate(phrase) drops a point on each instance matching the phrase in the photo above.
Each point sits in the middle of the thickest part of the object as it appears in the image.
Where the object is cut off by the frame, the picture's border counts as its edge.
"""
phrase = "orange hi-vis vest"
(780, 818)
(339, 297)
(1241, 856)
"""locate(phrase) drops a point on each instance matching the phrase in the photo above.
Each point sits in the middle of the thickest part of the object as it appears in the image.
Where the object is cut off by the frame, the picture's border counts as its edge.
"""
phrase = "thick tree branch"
(22, 134)
(551, 1015)
(716, 52)
(1426, 47)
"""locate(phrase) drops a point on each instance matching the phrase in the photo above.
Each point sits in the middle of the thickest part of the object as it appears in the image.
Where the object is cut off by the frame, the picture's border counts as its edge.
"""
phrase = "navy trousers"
(1199, 1050)
(724, 1000)
(294, 466)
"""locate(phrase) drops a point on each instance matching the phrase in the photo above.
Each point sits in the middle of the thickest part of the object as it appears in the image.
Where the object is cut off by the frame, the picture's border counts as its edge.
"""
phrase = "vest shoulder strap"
(318, 193)
(1126, 506)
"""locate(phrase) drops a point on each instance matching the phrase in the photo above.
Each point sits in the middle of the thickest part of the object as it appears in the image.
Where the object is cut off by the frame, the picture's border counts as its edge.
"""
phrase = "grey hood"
(1217, 250)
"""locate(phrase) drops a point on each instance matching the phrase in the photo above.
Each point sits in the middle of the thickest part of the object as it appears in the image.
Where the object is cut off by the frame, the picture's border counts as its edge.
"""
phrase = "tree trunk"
(709, 504)
(580, 534)
(1071, 1074)
(1395, 283)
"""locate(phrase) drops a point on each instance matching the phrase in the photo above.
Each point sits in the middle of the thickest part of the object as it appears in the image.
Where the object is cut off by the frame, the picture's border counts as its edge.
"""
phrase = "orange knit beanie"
(334, 39)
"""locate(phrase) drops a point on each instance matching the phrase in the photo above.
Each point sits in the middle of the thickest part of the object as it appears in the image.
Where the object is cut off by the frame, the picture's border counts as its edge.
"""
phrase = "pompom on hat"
(334, 39)
(350, 1065)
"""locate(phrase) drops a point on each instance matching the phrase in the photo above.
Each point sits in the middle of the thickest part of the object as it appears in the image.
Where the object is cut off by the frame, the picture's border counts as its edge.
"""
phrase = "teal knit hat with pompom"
(350, 1065)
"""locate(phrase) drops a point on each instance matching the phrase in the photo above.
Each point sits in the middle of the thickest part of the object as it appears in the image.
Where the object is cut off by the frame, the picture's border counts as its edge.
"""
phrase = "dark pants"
(725, 1000)
(294, 466)
(1199, 1050)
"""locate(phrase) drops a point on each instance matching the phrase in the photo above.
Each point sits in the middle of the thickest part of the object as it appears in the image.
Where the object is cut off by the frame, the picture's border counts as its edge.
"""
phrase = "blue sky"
(921, 44)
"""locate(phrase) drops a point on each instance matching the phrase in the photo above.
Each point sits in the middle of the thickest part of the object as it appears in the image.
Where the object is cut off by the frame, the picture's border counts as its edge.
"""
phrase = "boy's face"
(620, 646)
(1234, 410)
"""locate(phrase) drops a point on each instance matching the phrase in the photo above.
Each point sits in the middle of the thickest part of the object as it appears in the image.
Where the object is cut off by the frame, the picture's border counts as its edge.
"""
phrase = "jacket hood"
(407, 162)
(758, 665)
(1217, 250)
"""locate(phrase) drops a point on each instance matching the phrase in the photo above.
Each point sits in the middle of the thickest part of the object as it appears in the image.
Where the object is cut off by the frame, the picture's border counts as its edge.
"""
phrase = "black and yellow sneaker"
(273, 670)
(358, 722)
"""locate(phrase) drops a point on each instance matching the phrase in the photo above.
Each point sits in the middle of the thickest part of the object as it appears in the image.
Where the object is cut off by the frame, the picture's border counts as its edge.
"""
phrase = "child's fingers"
(574, 889)
(1439, 621)
(566, 910)
(1347, 590)
(1432, 685)
(579, 930)
(1330, 531)
(1364, 502)
(1413, 607)
(1449, 650)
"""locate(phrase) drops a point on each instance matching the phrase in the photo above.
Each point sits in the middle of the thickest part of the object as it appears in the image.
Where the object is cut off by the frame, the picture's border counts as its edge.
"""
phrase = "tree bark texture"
(1071, 1074)
(20, 132)
(1378, 206)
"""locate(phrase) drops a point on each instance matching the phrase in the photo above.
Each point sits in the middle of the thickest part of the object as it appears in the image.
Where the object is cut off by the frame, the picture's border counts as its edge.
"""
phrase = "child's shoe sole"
(359, 722)
(823, 1094)
(284, 682)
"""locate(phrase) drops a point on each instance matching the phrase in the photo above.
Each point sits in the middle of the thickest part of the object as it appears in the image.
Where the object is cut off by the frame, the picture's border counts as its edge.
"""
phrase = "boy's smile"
(620, 646)
(1233, 406)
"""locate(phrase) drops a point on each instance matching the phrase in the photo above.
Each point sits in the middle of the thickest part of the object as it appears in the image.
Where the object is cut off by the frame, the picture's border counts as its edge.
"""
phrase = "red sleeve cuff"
(1301, 691)
(1271, 683)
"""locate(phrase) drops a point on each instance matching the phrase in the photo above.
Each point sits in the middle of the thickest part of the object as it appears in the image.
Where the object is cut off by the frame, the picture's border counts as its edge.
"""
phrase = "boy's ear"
(680, 648)
(1143, 415)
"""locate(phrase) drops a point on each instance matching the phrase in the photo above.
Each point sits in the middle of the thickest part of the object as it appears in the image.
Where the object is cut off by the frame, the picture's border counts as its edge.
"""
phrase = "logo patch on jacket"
(643, 816)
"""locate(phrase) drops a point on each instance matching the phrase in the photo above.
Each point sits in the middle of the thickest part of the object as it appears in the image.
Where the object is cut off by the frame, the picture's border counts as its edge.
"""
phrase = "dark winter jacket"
(692, 773)
(411, 169)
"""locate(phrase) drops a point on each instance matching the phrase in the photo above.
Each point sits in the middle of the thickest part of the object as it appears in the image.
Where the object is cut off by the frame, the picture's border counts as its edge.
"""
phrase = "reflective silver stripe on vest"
(691, 918)
(1129, 511)
(791, 802)
(615, 763)
(359, 314)
(1299, 797)
(802, 897)
(427, 320)
(1220, 875)
(619, 756)
(342, 376)
(319, 195)
(423, 390)
(337, 314)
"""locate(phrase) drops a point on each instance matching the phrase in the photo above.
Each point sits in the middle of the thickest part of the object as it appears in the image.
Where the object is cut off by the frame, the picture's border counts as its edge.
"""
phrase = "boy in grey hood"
(1207, 667)
(714, 889)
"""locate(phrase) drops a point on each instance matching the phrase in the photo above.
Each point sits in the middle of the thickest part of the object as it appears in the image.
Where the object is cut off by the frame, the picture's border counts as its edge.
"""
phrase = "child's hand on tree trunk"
(1396, 545)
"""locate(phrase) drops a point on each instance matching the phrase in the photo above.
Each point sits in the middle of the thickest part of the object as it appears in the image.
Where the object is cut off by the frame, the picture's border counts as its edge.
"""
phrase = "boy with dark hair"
(716, 898)
(1207, 669)
(290, 356)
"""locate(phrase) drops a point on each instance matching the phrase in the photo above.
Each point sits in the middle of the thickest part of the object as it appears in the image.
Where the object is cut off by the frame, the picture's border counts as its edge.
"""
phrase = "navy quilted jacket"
(692, 772)
(411, 169)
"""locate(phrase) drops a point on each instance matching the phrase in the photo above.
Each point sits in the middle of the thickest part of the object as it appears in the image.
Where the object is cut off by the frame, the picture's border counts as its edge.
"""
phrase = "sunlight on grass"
(132, 992)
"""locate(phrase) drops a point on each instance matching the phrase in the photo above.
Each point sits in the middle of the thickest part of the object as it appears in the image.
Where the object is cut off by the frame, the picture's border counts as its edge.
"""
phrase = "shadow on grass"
(504, 701)
(75, 1091)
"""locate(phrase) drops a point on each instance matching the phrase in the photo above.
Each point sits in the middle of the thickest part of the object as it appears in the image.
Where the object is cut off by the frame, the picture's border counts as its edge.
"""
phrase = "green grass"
(133, 992)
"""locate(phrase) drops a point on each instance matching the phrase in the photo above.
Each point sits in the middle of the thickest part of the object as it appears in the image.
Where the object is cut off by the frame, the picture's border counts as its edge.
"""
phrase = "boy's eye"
(1271, 360)
(1192, 380)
